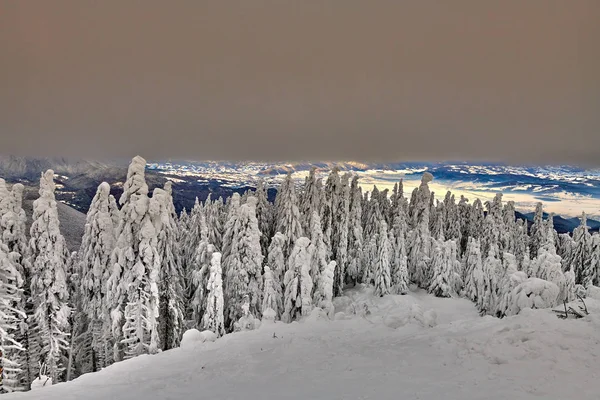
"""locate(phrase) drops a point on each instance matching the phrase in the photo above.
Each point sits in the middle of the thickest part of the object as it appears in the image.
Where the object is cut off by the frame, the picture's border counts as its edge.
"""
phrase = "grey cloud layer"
(513, 81)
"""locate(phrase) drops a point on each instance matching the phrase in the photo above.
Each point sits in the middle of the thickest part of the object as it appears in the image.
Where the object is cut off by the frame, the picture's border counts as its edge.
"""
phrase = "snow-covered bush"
(533, 293)
(193, 337)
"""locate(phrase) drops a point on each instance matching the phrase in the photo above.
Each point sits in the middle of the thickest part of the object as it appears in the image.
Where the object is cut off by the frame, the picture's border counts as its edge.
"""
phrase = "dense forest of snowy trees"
(144, 275)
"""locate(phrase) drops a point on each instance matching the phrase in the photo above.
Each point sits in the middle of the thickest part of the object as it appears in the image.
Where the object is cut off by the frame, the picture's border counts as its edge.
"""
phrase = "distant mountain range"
(564, 190)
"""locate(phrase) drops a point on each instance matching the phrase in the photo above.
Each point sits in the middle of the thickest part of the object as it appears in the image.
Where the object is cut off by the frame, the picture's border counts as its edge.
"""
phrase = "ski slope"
(405, 347)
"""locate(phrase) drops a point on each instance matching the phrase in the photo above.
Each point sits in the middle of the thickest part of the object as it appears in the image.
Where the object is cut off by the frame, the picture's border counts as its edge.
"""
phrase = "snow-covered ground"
(405, 347)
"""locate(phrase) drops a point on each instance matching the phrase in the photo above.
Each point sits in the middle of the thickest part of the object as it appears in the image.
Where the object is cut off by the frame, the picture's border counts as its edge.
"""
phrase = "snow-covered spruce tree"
(330, 203)
(213, 319)
(81, 357)
(243, 272)
(189, 241)
(537, 231)
(340, 233)
(97, 245)
(199, 281)
(445, 277)
(287, 214)
(464, 212)
(355, 233)
(272, 301)
(371, 212)
(420, 239)
(488, 283)
(115, 212)
(310, 199)
(370, 260)
(213, 213)
(13, 354)
(490, 235)
(547, 266)
(564, 248)
(399, 264)
(581, 261)
(437, 224)
(510, 225)
(13, 235)
(140, 328)
(276, 259)
(476, 218)
(297, 298)
(595, 258)
(510, 282)
(452, 222)
(382, 276)
(521, 243)
(264, 214)
(317, 249)
(49, 289)
(495, 211)
(230, 230)
(323, 297)
(474, 273)
(170, 278)
(132, 289)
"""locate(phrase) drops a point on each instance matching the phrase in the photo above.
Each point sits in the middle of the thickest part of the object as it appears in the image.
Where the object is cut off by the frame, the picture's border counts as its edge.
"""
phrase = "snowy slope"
(385, 354)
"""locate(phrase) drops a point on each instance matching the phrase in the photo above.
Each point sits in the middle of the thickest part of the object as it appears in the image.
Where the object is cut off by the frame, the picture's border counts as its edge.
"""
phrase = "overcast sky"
(510, 80)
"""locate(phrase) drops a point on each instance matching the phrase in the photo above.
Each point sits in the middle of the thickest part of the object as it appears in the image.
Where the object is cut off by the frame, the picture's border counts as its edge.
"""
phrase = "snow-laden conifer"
(49, 289)
(12, 353)
(264, 214)
(382, 276)
(287, 214)
(581, 262)
(297, 283)
(213, 319)
(272, 301)
(310, 199)
(243, 272)
(97, 245)
(171, 274)
(355, 233)
(276, 258)
(132, 286)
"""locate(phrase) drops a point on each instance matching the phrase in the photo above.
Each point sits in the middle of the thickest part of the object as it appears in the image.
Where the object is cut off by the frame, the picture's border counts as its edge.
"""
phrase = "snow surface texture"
(395, 347)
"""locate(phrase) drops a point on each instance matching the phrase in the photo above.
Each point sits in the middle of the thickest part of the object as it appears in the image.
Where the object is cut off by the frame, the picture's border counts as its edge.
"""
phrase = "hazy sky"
(509, 80)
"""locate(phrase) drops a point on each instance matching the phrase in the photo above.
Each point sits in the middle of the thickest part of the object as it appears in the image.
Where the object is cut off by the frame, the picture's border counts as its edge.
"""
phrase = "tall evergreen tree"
(97, 245)
(355, 233)
(13, 235)
(288, 215)
(49, 289)
(272, 295)
(537, 231)
(595, 259)
(12, 352)
(382, 277)
(581, 262)
(264, 214)
(243, 266)
(276, 258)
(310, 199)
(171, 275)
(132, 286)
(213, 319)
(317, 249)
(420, 240)
(298, 284)
(340, 234)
